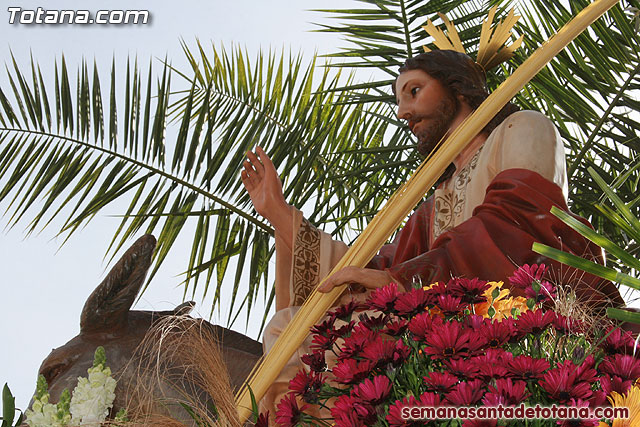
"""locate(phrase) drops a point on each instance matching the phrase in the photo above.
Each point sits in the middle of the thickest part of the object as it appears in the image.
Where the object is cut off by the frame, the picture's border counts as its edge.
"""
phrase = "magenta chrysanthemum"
(525, 275)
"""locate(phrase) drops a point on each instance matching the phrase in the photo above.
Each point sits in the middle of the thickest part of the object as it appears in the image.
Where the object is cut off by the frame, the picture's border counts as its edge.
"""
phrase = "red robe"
(497, 239)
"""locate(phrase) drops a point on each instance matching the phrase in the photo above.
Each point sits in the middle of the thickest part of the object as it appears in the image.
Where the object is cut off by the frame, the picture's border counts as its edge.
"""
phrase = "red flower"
(288, 413)
(373, 392)
(618, 341)
(625, 366)
(440, 382)
(495, 333)
(462, 369)
(466, 393)
(526, 367)
(475, 321)
(470, 291)
(322, 343)
(384, 299)
(565, 325)
(436, 290)
(480, 423)
(429, 399)
(525, 275)
(379, 351)
(350, 412)
(561, 385)
(534, 322)
(325, 328)
(307, 385)
(359, 338)
(487, 372)
(547, 292)
(413, 302)
(263, 420)
(374, 323)
(449, 340)
(342, 331)
(583, 371)
(578, 403)
(350, 371)
(396, 327)
(395, 418)
(615, 383)
(450, 305)
(400, 353)
(420, 326)
(315, 361)
(345, 311)
(493, 356)
(506, 392)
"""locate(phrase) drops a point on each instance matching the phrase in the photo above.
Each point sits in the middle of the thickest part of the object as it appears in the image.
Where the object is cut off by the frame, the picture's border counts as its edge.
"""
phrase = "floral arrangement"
(90, 404)
(466, 343)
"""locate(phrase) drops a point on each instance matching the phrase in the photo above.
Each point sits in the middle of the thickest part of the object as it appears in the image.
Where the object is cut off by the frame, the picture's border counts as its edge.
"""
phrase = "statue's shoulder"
(528, 119)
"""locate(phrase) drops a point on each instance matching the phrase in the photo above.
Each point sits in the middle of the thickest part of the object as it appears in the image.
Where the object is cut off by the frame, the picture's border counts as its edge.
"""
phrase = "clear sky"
(43, 288)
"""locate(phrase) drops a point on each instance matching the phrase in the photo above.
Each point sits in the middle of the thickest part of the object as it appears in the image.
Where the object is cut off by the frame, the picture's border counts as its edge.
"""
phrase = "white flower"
(43, 413)
(93, 397)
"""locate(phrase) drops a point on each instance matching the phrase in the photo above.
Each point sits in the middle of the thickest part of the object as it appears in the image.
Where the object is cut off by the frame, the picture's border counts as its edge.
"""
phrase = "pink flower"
(547, 292)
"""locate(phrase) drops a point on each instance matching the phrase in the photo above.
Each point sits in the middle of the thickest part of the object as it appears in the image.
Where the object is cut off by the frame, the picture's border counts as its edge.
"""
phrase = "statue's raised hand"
(263, 184)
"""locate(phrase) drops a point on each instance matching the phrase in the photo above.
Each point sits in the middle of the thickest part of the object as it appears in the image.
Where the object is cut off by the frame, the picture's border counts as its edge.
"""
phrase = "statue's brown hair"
(461, 75)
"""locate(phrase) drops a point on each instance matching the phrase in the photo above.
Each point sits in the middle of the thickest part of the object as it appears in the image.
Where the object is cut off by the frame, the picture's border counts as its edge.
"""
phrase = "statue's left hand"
(367, 277)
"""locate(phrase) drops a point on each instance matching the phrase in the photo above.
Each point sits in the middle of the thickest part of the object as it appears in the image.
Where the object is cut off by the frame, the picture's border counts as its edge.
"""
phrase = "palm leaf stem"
(152, 169)
(588, 145)
(407, 34)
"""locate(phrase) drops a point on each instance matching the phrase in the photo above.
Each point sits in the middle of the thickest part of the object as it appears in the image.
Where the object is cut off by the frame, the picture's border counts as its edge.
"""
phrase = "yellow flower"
(630, 400)
(502, 304)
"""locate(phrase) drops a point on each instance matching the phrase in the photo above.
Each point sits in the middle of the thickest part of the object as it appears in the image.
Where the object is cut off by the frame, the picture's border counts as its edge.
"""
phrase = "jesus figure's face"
(427, 106)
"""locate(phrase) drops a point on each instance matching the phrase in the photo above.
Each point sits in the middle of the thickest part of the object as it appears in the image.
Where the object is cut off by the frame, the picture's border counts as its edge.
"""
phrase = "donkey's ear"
(184, 308)
(108, 306)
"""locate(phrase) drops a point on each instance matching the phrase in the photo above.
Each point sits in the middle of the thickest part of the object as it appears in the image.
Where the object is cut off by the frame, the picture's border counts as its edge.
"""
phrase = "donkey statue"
(107, 321)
